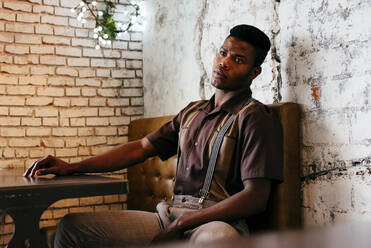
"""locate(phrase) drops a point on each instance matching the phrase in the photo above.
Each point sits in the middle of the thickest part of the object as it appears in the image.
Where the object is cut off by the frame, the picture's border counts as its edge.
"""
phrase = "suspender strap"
(213, 158)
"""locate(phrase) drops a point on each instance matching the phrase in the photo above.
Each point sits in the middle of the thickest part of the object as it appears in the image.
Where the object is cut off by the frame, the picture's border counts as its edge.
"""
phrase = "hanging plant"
(106, 28)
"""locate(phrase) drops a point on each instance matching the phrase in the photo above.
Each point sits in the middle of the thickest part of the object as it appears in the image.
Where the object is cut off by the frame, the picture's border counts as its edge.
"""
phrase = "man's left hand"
(171, 233)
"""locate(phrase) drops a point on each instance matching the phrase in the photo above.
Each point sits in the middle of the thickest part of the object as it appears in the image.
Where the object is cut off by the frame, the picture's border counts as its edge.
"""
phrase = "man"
(249, 160)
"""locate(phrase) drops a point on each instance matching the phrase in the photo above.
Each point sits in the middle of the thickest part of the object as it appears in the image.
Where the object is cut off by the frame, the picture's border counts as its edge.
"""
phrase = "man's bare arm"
(117, 158)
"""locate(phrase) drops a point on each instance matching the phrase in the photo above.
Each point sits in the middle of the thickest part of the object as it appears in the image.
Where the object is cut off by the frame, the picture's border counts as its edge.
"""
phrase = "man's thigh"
(107, 229)
(215, 230)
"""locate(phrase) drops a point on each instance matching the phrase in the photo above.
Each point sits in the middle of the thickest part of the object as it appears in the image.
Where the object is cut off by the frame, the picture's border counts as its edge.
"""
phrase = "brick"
(52, 142)
(105, 131)
(75, 142)
(96, 121)
(86, 72)
(83, 42)
(123, 36)
(68, 51)
(131, 92)
(21, 153)
(64, 31)
(112, 83)
(42, 70)
(26, 60)
(43, 29)
(108, 92)
(61, 81)
(62, 102)
(73, 91)
(79, 102)
(18, 5)
(30, 18)
(88, 92)
(111, 54)
(12, 100)
(59, 213)
(56, 40)
(52, 60)
(40, 152)
(78, 112)
(118, 121)
(8, 153)
(7, 15)
(132, 55)
(66, 152)
(2, 89)
(78, 62)
(69, 3)
(136, 36)
(20, 111)
(64, 122)
(94, 200)
(24, 142)
(8, 79)
(66, 203)
(52, 2)
(44, 49)
(5, 37)
(39, 101)
(81, 32)
(55, 20)
(135, 46)
(48, 223)
(101, 208)
(21, 90)
(106, 112)
(103, 72)
(4, 110)
(43, 9)
(139, 73)
(133, 111)
(47, 214)
(92, 141)
(64, 131)
(134, 64)
(85, 131)
(83, 151)
(50, 121)
(120, 45)
(111, 198)
(118, 102)
(87, 82)
(117, 140)
(38, 132)
(15, 69)
(6, 59)
(46, 112)
(97, 102)
(136, 101)
(50, 91)
(19, 28)
(81, 209)
(77, 122)
(64, 12)
(103, 62)
(95, 150)
(92, 52)
(121, 63)
(122, 73)
(12, 132)
(28, 121)
(67, 71)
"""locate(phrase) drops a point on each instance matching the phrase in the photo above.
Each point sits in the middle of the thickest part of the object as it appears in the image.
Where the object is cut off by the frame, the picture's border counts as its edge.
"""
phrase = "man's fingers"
(46, 171)
(40, 164)
(28, 171)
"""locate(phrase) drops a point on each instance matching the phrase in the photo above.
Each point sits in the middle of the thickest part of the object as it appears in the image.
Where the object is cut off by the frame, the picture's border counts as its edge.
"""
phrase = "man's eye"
(223, 53)
(238, 60)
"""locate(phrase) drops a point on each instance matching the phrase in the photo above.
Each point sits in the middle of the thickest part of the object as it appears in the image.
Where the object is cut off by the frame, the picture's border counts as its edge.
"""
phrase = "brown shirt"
(252, 147)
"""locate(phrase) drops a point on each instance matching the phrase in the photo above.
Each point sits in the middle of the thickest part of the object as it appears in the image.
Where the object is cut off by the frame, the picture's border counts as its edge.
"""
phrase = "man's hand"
(47, 165)
(171, 233)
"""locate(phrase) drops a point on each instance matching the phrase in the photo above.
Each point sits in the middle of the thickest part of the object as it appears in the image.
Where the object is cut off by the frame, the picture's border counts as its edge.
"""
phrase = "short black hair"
(254, 36)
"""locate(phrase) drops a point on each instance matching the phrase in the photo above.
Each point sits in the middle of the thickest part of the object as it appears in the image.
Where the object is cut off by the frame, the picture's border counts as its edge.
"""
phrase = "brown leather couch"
(153, 180)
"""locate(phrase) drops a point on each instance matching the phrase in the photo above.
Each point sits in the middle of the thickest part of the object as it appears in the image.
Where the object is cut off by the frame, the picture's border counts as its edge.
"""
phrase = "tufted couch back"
(153, 180)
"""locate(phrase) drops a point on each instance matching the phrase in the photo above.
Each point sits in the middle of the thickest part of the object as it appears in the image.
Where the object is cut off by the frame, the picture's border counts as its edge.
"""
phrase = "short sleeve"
(262, 146)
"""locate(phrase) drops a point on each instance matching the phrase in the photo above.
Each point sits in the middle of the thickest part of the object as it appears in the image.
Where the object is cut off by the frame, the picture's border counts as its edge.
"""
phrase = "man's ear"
(255, 72)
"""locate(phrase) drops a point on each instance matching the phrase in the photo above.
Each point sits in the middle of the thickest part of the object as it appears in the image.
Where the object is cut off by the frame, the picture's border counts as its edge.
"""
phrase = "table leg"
(26, 227)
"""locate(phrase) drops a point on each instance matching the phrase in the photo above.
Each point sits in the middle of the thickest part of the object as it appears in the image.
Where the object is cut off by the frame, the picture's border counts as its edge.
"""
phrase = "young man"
(248, 161)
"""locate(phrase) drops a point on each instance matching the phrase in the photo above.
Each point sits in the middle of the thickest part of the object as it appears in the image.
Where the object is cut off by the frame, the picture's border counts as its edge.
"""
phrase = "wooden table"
(25, 199)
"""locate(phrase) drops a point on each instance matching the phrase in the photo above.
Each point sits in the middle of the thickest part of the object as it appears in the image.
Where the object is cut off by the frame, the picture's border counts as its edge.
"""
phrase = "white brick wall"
(58, 95)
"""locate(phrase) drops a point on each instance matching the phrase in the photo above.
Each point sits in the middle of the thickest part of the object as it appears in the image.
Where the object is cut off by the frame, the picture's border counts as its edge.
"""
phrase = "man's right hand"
(47, 165)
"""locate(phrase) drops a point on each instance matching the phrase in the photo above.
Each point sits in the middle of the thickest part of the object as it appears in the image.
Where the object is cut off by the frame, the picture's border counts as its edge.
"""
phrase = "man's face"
(233, 67)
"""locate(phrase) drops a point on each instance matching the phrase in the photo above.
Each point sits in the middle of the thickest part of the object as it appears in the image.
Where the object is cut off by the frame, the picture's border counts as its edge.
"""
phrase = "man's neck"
(222, 96)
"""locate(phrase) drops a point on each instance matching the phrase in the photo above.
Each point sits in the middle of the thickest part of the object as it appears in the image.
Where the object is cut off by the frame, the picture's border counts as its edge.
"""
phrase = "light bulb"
(105, 36)
(94, 3)
(97, 47)
(72, 10)
(82, 3)
(95, 36)
(95, 30)
(108, 42)
(83, 21)
(79, 18)
(100, 28)
(100, 13)
(83, 9)
(104, 42)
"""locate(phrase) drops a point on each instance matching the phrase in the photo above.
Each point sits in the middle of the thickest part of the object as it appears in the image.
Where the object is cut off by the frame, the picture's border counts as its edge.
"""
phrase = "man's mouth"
(219, 74)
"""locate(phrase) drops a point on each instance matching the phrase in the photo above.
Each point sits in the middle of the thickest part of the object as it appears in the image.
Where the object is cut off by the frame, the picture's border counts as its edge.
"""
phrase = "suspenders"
(204, 192)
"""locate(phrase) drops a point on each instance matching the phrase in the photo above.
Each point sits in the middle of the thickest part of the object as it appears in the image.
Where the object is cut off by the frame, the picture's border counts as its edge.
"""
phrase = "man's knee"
(66, 231)
(212, 231)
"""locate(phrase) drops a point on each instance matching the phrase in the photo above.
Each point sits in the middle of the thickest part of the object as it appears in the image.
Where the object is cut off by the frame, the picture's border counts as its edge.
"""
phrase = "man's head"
(239, 58)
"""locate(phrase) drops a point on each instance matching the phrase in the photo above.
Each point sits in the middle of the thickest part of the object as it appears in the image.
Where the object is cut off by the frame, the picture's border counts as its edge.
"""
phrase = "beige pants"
(126, 228)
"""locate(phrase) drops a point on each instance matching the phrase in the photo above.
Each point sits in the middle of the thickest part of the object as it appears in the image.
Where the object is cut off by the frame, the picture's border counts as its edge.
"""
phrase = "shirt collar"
(233, 105)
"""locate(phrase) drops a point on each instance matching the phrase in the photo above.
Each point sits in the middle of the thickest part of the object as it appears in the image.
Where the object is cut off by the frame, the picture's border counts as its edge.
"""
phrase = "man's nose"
(223, 63)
